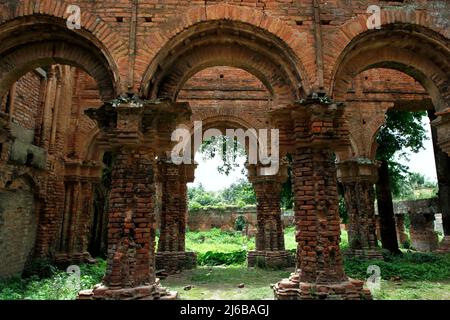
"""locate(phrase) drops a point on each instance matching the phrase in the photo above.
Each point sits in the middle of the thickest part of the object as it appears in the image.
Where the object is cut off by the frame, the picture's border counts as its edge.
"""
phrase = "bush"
(409, 266)
(57, 286)
(240, 223)
(212, 258)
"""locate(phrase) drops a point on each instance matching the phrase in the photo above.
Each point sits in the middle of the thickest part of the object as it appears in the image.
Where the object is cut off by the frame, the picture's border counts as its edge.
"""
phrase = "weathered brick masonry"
(237, 64)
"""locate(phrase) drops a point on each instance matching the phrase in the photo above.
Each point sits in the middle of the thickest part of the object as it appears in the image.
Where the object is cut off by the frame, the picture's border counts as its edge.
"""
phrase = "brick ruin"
(136, 70)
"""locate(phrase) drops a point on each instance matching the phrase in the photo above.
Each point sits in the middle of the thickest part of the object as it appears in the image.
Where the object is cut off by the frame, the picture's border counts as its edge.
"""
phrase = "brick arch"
(418, 52)
(355, 27)
(45, 21)
(276, 36)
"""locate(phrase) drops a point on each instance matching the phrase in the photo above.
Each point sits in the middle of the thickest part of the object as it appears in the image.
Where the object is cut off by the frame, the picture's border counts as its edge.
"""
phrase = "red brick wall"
(27, 100)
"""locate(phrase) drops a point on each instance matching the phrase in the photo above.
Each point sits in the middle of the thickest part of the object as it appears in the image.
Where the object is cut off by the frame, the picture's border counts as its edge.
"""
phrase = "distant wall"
(424, 206)
(207, 219)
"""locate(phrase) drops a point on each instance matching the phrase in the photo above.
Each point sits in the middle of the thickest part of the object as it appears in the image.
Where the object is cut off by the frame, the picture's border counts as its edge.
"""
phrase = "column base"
(444, 246)
(150, 292)
(171, 262)
(364, 254)
(271, 259)
(293, 289)
(64, 258)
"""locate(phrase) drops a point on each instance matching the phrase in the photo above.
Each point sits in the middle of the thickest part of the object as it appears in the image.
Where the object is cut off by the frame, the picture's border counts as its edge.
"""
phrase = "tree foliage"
(402, 132)
(239, 194)
(227, 148)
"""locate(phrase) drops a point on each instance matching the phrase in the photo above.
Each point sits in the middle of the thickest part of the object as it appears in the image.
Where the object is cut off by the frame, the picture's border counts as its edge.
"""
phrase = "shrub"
(240, 223)
(212, 258)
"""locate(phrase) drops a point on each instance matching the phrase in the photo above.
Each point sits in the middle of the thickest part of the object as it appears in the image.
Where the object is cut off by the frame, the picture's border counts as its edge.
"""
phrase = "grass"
(58, 285)
(229, 241)
(222, 283)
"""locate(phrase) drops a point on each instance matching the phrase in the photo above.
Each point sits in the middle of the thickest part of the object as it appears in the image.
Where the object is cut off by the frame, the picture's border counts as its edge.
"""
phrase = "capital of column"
(167, 170)
(442, 124)
(130, 121)
(313, 122)
(255, 174)
(357, 170)
(77, 170)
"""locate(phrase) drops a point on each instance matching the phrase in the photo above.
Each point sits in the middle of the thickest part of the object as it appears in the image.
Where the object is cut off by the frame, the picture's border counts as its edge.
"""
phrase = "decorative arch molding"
(418, 52)
(419, 23)
(45, 21)
(234, 24)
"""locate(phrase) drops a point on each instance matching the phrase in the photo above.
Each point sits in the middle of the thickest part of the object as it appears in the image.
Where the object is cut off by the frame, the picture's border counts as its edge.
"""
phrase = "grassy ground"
(222, 283)
(410, 276)
(221, 241)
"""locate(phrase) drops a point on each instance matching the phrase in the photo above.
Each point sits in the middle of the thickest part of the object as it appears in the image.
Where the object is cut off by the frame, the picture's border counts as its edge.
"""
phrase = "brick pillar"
(136, 130)
(357, 178)
(171, 256)
(270, 250)
(400, 227)
(423, 236)
(317, 129)
(442, 160)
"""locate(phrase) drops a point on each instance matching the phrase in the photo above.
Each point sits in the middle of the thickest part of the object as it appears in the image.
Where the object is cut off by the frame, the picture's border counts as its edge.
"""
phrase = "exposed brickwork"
(321, 273)
(173, 217)
(285, 51)
(270, 249)
(400, 227)
(422, 215)
(18, 227)
(358, 179)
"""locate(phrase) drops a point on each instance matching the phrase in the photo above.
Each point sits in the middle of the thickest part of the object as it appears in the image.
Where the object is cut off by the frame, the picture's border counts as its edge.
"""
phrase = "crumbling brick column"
(172, 256)
(400, 227)
(442, 159)
(136, 130)
(78, 210)
(423, 236)
(318, 129)
(270, 250)
(358, 177)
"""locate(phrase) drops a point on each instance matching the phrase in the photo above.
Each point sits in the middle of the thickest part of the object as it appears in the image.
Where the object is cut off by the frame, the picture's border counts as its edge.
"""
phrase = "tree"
(240, 193)
(402, 131)
(229, 149)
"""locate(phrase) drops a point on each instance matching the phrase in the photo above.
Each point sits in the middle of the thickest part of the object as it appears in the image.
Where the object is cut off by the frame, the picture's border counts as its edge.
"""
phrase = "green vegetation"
(411, 266)
(239, 194)
(56, 284)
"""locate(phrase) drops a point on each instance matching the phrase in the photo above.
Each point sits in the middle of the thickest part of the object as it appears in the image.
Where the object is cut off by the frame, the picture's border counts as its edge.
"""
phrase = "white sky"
(207, 174)
(423, 162)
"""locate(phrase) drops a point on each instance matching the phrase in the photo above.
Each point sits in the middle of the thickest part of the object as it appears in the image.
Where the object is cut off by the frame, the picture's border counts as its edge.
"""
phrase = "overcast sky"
(207, 174)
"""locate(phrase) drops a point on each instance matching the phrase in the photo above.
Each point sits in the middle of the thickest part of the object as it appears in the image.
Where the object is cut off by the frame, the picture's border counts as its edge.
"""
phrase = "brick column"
(270, 250)
(358, 177)
(423, 236)
(78, 210)
(442, 160)
(136, 130)
(317, 130)
(131, 231)
(400, 227)
(171, 256)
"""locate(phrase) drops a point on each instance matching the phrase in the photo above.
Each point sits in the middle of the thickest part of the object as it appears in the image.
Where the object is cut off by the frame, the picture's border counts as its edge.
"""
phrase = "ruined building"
(136, 70)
